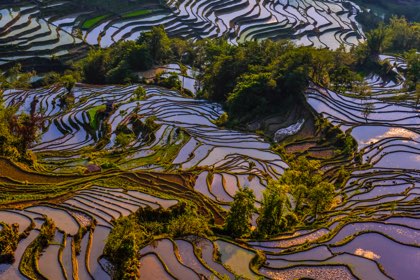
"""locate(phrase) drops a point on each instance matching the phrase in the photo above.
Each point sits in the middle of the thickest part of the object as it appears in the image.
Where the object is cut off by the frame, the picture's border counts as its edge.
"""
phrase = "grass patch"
(136, 13)
(93, 21)
(92, 115)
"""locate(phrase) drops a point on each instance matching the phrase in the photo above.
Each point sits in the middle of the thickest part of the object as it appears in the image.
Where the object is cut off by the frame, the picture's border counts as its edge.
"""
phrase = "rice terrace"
(210, 139)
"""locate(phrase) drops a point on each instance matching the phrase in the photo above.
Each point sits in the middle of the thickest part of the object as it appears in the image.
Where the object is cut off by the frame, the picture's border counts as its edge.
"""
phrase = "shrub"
(9, 239)
(140, 93)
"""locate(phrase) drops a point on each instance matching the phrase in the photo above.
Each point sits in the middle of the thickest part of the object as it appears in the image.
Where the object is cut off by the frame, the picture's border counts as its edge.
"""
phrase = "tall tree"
(321, 197)
(158, 43)
(275, 206)
(413, 69)
(376, 40)
(240, 214)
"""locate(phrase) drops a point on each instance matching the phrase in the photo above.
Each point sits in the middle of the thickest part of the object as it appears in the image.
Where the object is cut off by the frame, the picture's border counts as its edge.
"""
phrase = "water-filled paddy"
(221, 160)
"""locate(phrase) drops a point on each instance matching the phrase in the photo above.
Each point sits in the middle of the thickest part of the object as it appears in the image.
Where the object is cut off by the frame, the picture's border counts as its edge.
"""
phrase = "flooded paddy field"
(63, 29)
(372, 232)
(382, 195)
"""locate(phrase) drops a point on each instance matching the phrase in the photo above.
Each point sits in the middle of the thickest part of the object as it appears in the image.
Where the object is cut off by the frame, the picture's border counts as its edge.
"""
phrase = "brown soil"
(9, 170)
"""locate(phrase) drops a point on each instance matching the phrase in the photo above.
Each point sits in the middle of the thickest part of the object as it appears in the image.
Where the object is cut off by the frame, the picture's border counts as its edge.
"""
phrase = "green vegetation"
(140, 93)
(28, 265)
(222, 120)
(132, 233)
(93, 114)
(305, 181)
(93, 21)
(301, 192)
(240, 214)
(275, 215)
(252, 79)
(252, 75)
(136, 13)
(9, 238)
(15, 77)
(17, 132)
(398, 36)
(413, 72)
(245, 78)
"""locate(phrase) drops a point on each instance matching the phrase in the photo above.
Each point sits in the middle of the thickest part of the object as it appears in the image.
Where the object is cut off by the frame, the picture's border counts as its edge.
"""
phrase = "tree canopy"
(240, 214)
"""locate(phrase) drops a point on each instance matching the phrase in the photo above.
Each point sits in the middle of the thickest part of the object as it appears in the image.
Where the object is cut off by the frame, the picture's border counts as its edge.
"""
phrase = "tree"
(123, 138)
(179, 48)
(95, 66)
(299, 192)
(184, 72)
(14, 77)
(169, 80)
(190, 223)
(138, 56)
(320, 197)
(18, 131)
(275, 206)
(46, 235)
(222, 119)
(251, 95)
(219, 77)
(376, 40)
(158, 44)
(140, 93)
(26, 127)
(322, 62)
(68, 82)
(238, 220)
(302, 172)
(413, 70)
(123, 246)
(367, 110)
(7, 138)
(302, 177)
(403, 35)
(9, 239)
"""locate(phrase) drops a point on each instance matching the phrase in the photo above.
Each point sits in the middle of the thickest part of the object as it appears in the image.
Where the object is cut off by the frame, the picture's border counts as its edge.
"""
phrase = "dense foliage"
(18, 130)
(302, 192)
(275, 212)
(240, 214)
(131, 233)
(398, 36)
(305, 181)
(252, 79)
(245, 78)
(9, 238)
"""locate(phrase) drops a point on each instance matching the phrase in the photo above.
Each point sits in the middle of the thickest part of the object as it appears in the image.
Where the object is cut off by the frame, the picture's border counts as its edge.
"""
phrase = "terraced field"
(25, 34)
(87, 179)
(373, 233)
(382, 195)
(60, 29)
(186, 133)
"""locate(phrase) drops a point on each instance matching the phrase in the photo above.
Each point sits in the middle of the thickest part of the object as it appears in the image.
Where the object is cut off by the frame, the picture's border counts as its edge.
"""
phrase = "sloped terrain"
(60, 29)
(372, 233)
